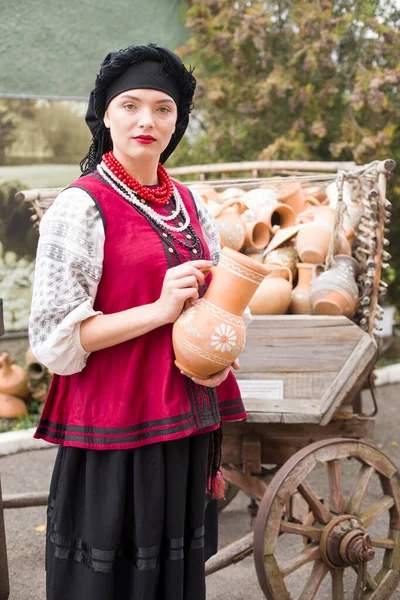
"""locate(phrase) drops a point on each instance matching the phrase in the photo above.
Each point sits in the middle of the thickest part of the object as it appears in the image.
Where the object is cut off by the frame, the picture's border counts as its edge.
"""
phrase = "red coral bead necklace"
(159, 195)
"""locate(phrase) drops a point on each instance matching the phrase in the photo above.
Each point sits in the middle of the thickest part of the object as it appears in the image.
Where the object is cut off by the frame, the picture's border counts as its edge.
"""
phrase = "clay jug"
(210, 333)
(257, 235)
(300, 301)
(285, 255)
(13, 379)
(12, 407)
(274, 293)
(277, 215)
(293, 195)
(230, 225)
(206, 192)
(313, 241)
(259, 197)
(335, 292)
(230, 193)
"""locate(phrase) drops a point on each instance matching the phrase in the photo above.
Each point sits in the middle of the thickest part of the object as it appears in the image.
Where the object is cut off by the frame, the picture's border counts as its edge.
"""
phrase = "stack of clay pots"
(13, 389)
(19, 386)
(289, 228)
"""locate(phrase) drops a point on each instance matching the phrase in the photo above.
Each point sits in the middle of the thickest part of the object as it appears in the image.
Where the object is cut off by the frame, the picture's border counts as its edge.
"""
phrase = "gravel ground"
(32, 471)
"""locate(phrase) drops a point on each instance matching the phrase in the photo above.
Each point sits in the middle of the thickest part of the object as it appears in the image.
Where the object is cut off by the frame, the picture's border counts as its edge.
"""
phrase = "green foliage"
(295, 79)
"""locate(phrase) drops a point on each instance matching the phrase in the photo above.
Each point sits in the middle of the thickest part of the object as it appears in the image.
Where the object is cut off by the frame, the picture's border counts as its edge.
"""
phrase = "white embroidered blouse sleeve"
(212, 238)
(67, 273)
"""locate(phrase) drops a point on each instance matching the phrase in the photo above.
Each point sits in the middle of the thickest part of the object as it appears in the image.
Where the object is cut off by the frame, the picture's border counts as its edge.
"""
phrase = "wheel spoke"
(360, 489)
(382, 543)
(321, 513)
(337, 584)
(369, 580)
(309, 554)
(336, 500)
(317, 576)
(307, 531)
(376, 510)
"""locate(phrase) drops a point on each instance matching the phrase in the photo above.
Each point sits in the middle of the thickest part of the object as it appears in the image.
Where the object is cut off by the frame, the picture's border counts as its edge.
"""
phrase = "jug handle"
(314, 270)
(229, 203)
(276, 266)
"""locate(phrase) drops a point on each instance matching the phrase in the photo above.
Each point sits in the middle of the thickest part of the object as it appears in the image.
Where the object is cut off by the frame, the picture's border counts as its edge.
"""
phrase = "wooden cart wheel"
(339, 541)
(231, 492)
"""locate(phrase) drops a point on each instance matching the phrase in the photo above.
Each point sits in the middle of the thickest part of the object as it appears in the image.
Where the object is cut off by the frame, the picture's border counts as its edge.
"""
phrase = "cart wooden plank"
(318, 361)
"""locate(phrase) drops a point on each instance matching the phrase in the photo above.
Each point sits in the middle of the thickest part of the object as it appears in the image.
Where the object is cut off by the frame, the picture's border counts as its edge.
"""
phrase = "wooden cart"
(300, 376)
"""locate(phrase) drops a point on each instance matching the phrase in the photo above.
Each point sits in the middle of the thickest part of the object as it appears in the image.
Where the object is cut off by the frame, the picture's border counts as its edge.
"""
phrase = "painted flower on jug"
(225, 338)
(187, 316)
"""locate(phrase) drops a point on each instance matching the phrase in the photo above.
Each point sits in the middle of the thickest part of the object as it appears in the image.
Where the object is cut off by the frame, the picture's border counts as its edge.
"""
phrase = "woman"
(120, 252)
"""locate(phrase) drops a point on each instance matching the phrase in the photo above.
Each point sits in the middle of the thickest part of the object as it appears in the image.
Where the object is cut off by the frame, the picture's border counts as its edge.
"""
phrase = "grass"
(41, 176)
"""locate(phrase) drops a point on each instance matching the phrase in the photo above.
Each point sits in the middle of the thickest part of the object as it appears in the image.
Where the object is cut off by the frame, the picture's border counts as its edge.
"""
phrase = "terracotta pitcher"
(12, 407)
(230, 225)
(300, 301)
(335, 292)
(274, 293)
(257, 235)
(277, 215)
(210, 334)
(285, 255)
(13, 379)
(293, 195)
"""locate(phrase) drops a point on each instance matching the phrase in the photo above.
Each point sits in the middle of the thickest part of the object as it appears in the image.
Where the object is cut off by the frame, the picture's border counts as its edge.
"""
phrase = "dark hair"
(113, 66)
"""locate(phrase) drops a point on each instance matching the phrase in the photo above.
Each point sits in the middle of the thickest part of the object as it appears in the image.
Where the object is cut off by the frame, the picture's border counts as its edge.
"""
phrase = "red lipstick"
(145, 139)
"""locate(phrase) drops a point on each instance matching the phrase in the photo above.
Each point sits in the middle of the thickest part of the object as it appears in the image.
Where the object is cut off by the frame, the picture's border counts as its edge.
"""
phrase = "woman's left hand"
(217, 378)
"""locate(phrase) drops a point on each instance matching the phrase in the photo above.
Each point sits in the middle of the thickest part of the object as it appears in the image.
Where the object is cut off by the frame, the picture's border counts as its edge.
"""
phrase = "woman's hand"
(217, 378)
(181, 283)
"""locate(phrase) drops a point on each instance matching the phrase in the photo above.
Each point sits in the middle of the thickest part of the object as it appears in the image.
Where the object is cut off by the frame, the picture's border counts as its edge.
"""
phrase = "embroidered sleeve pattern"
(209, 228)
(67, 273)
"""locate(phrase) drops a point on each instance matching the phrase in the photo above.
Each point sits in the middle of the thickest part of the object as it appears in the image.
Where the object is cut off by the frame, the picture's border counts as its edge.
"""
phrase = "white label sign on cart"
(262, 395)
(261, 389)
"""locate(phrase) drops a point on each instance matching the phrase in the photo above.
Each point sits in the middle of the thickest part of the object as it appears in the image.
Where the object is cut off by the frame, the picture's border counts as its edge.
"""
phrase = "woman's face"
(141, 123)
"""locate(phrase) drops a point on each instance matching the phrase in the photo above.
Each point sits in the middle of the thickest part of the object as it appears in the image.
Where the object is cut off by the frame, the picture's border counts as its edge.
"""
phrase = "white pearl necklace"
(134, 199)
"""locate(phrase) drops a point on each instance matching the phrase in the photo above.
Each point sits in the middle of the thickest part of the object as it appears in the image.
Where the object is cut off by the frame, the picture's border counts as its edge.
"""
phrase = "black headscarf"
(116, 72)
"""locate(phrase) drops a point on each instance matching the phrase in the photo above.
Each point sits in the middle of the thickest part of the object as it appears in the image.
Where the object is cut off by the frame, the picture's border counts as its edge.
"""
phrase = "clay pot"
(332, 193)
(273, 295)
(258, 256)
(231, 193)
(324, 214)
(206, 192)
(260, 197)
(313, 241)
(282, 236)
(293, 195)
(257, 235)
(12, 407)
(300, 301)
(285, 255)
(210, 333)
(318, 192)
(230, 225)
(335, 292)
(277, 216)
(13, 379)
(352, 215)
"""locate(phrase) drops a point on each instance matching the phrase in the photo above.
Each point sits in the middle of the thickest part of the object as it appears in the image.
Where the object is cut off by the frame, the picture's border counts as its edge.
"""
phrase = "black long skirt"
(130, 524)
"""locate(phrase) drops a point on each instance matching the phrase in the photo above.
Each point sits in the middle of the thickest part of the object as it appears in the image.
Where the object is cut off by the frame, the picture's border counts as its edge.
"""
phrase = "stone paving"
(32, 470)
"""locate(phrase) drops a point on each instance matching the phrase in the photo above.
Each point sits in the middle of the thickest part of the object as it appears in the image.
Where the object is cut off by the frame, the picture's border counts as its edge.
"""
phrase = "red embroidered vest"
(132, 394)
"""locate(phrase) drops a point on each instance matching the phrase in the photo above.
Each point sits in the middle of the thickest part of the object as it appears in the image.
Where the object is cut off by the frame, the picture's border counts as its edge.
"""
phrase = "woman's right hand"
(181, 283)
